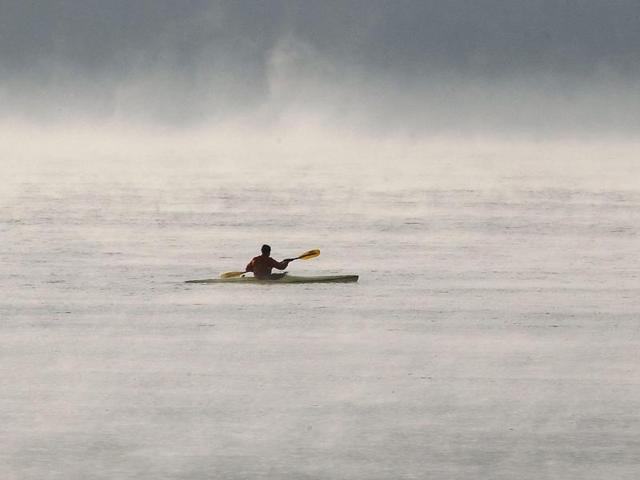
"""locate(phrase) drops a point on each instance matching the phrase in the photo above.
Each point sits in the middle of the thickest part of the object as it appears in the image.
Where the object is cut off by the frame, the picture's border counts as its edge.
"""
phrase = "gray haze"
(474, 162)
(408, 66)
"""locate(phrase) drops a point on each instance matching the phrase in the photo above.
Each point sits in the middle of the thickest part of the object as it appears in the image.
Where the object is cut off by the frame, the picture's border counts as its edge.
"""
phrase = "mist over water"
(526, 67)
(476, 163)
(493, 331)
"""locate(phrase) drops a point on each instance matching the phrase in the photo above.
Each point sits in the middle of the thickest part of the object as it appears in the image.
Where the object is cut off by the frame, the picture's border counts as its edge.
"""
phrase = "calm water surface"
(494, 332)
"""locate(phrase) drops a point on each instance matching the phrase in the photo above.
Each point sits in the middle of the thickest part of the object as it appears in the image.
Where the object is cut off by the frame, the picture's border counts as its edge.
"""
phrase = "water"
(493, 334)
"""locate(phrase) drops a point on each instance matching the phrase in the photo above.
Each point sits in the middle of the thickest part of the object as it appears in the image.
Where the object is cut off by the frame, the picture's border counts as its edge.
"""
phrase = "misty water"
(493, 333)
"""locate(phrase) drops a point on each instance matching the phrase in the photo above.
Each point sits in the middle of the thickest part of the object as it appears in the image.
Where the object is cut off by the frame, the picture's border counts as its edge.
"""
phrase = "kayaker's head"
(266, 250)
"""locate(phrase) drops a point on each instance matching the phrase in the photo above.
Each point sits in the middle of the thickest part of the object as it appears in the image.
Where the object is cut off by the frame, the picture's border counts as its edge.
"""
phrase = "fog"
(412, 68)
(475, 162)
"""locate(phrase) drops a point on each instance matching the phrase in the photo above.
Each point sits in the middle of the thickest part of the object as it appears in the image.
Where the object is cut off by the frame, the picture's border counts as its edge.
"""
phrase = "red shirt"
(261, 266)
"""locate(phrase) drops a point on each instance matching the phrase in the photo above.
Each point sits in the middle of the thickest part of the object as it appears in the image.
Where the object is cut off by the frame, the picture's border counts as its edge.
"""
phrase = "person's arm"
(249, 267)
(280, 265)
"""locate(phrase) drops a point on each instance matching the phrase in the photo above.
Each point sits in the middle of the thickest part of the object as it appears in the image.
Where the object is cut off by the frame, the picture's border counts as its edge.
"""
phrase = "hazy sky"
(410, 66)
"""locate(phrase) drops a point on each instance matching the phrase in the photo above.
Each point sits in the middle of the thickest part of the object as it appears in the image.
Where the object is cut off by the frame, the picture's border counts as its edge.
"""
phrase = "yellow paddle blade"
(231, 274)
(310, 254)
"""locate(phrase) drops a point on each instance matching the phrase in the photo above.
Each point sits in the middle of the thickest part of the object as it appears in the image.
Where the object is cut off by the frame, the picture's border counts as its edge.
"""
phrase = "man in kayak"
(261, 265)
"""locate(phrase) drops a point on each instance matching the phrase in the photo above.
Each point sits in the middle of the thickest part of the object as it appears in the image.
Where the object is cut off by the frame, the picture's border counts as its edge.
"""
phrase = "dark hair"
(266, 249)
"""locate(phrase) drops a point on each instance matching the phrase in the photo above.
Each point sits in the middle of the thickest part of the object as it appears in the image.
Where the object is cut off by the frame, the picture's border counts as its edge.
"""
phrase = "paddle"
(305, 256)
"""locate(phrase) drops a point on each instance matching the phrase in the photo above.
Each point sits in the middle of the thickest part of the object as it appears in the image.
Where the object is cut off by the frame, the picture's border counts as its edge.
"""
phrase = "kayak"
(282, 278)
